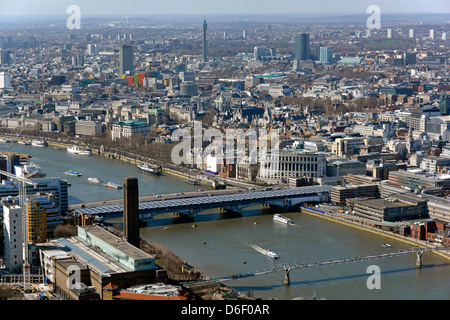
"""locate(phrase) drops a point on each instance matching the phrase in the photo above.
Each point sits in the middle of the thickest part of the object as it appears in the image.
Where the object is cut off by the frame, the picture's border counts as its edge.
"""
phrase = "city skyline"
(52, 7)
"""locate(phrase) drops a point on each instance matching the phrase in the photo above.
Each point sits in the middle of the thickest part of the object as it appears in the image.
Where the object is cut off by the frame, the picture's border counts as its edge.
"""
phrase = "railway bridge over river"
(234, 203)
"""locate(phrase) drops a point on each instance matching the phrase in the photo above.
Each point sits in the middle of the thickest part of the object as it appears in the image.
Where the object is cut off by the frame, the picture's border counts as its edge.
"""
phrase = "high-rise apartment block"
(302, 50)
(125, 59)
(12, 230)
(36, 222)
(326, 55)
(204, 42)
(5, 80)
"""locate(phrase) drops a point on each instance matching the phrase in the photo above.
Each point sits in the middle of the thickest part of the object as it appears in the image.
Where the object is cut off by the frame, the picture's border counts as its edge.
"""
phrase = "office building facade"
(444, 104)
(302, 46)
(5, 80)
(36, 222)
(326, 55)
(281, 166)
(125, 59)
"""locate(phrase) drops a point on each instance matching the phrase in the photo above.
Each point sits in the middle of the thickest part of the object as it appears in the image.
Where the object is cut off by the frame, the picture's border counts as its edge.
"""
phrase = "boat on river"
(73, 173)
(39, 143)
(193, 181)
(146, 167)
(79, 151)
(113, 185)
(271, 254)
(94, 180)
(282, 219)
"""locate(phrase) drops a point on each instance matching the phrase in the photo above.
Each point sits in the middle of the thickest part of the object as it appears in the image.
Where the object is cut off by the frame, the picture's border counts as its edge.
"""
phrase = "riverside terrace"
(231, 202)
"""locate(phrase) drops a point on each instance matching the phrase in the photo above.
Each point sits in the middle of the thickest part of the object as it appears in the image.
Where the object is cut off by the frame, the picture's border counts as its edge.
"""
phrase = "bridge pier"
(419, 259)
(273, 208)
(287, 279)
(231, 212)
(183, 218)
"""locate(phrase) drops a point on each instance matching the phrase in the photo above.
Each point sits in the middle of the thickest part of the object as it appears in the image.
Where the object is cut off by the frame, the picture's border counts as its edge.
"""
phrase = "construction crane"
(22, 182)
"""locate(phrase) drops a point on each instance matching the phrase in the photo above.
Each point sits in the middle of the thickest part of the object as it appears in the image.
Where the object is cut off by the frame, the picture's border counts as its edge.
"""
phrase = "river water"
(222, 247)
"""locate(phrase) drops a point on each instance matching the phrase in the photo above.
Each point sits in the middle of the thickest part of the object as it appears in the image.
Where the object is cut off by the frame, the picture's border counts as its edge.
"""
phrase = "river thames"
(221, 247)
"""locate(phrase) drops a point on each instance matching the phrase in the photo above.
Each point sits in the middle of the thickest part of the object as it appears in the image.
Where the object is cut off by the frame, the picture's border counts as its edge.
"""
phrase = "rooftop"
(88, 255)
(116, 242)
(131, 123)
(384, 203)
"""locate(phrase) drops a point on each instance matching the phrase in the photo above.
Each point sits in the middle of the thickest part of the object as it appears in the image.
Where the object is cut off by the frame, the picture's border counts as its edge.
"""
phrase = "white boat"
(26, 143)
(150, 169)
(386, 245)
(5, 140)
(271, 254)
(94, 180)
(280, 218)
(113, 185)
(77, 150)
(39, 143)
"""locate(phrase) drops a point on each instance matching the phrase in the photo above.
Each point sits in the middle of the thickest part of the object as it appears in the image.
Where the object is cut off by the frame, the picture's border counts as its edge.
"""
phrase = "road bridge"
(236, 202)
(287, 268)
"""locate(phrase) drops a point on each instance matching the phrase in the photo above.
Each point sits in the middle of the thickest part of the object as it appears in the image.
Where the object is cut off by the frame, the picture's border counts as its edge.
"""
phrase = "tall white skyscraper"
(92, 49)
(411, 33)
(431, 33)
(12, 228)
(389, 33)
(444, 36)
(5, 80)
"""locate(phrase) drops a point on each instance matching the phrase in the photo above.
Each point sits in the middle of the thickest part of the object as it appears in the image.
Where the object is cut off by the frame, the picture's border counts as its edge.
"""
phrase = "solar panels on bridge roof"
(161, 204)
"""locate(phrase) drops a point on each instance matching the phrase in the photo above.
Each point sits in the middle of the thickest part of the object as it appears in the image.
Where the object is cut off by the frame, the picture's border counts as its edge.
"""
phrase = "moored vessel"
(39, 143)
(146, 167)
(77, 150)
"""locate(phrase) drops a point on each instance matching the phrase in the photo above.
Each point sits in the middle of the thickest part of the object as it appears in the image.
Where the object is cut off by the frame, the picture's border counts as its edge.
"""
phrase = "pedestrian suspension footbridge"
(287, 268)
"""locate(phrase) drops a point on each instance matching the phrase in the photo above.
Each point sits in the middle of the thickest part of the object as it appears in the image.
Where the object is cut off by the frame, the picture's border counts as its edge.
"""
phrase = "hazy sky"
(114, 7)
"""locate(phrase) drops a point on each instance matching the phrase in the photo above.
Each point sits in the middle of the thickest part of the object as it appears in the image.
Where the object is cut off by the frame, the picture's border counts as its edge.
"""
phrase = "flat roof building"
(340, 194)
(126, 129)
(397, 208)
(339, 167)
(101, 257)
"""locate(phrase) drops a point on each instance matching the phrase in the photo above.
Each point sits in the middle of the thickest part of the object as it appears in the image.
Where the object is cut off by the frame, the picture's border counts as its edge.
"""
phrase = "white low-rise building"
(126, 129)
(282, 165)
